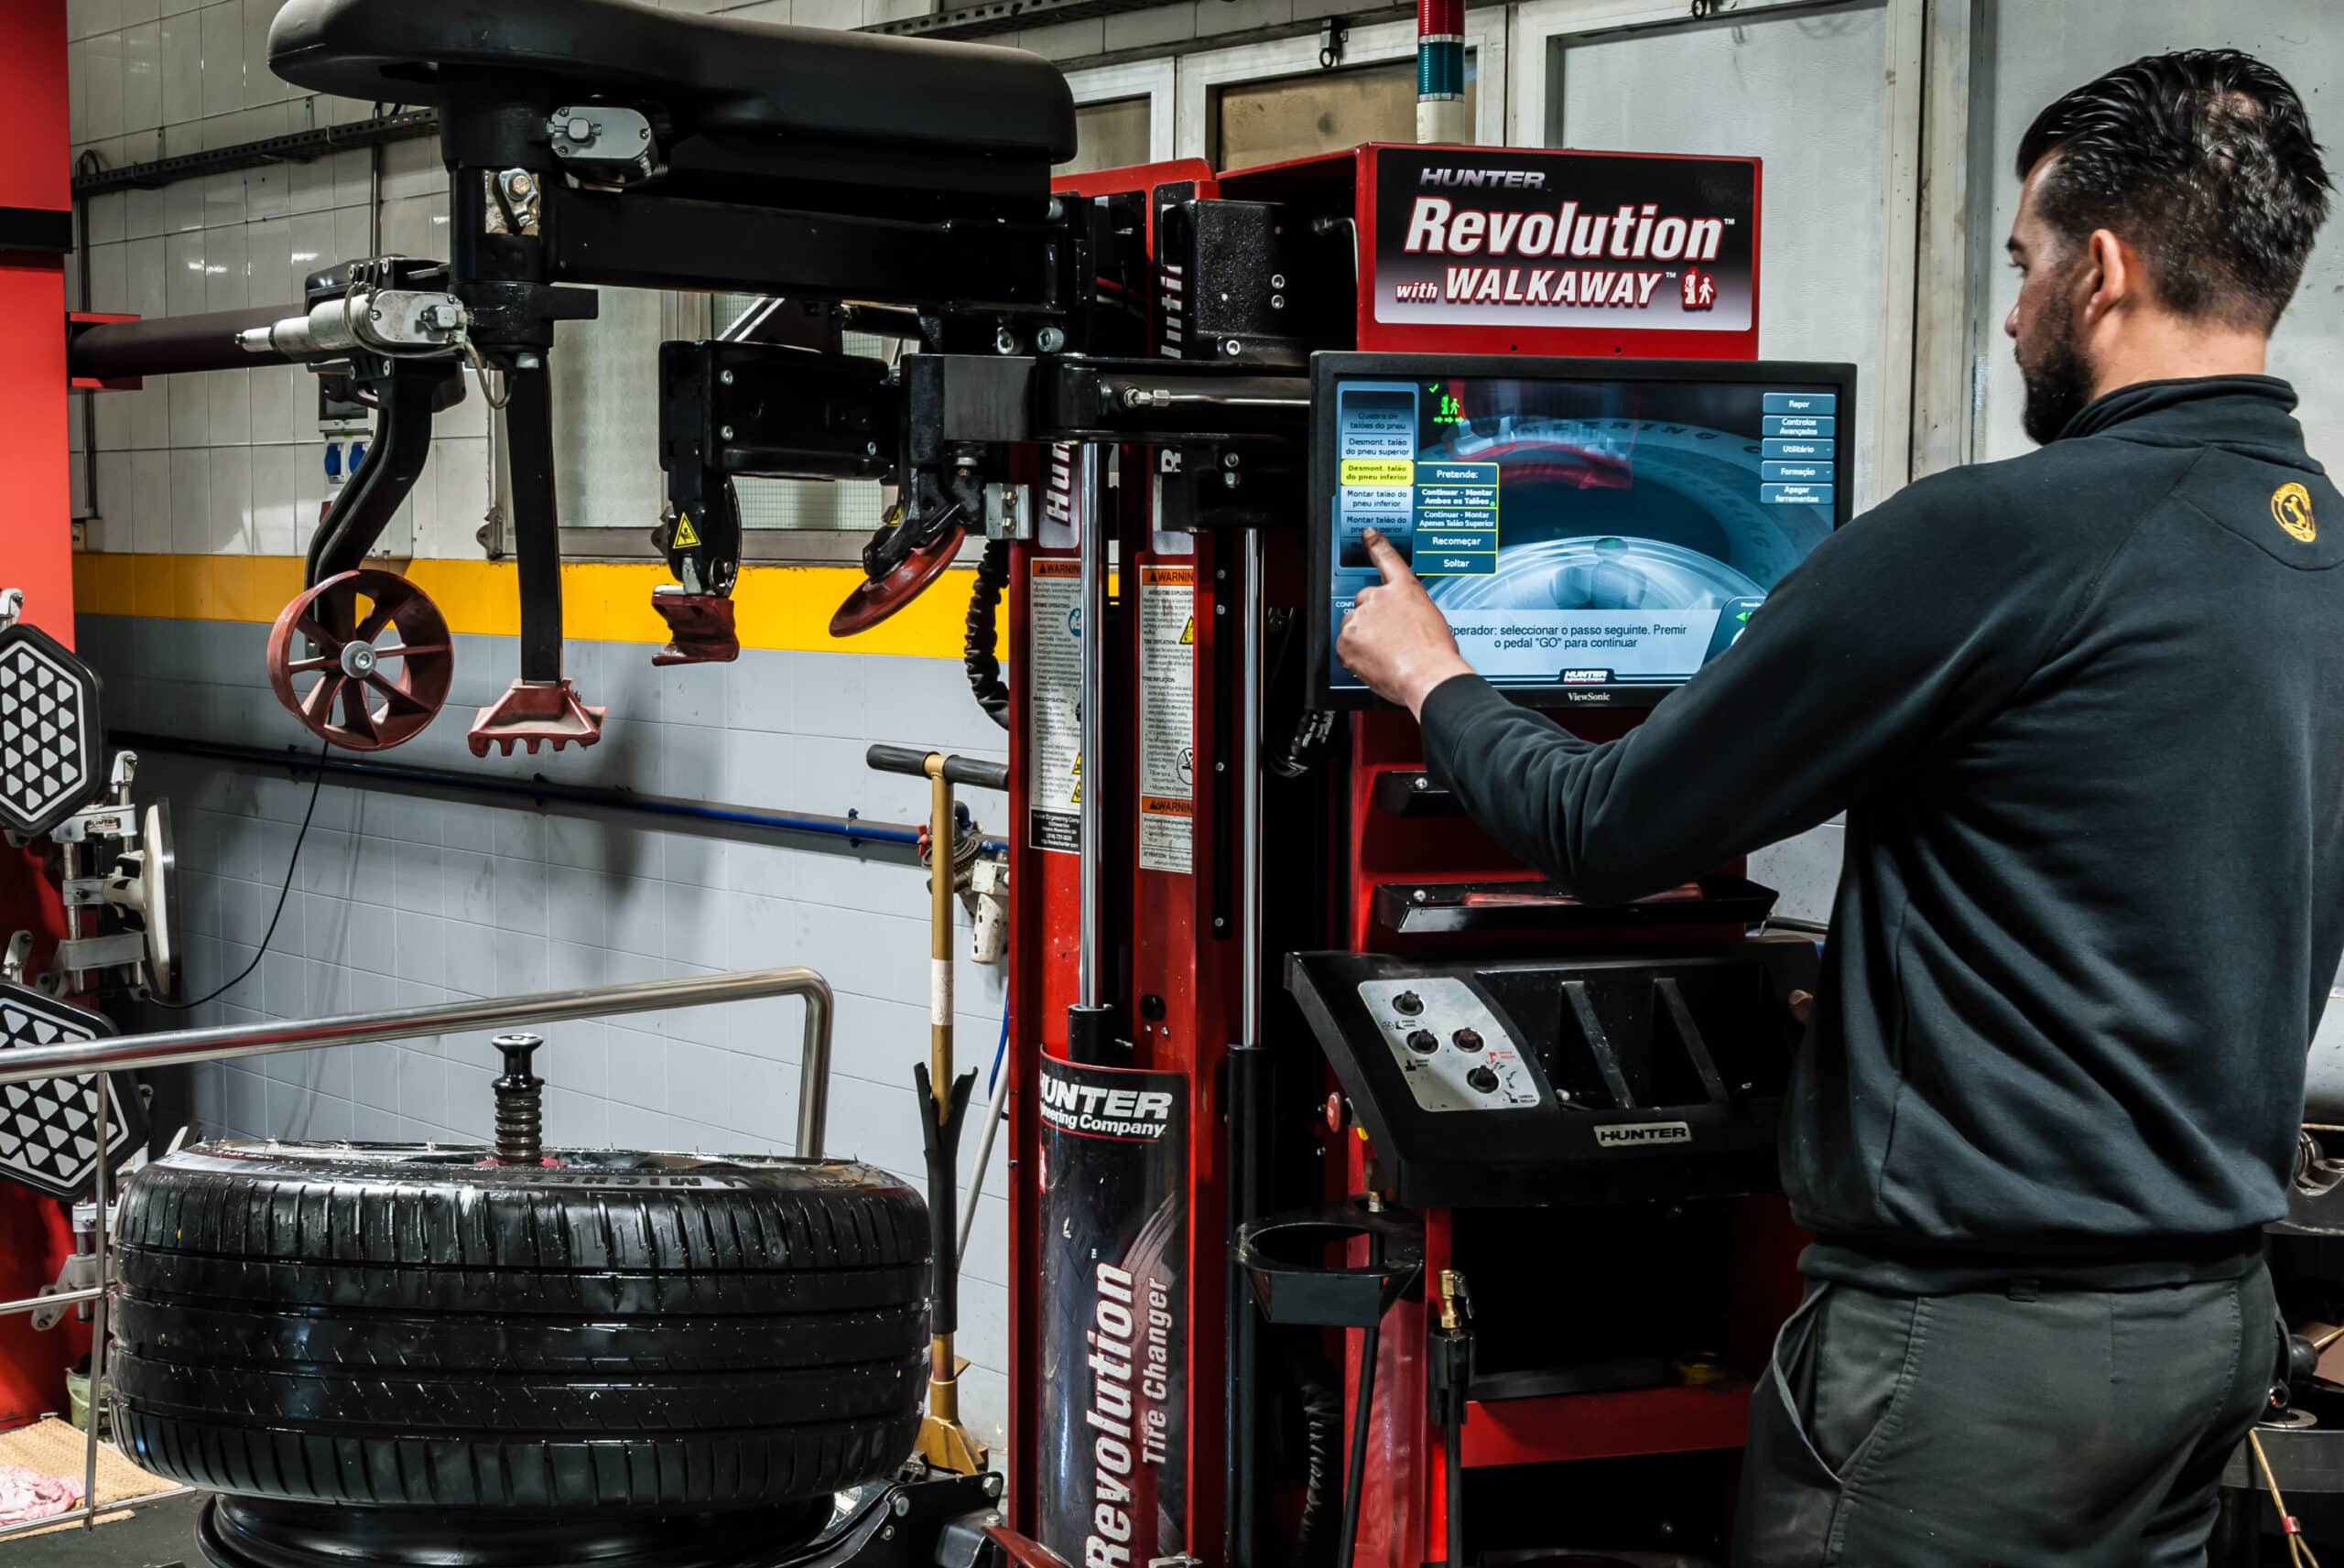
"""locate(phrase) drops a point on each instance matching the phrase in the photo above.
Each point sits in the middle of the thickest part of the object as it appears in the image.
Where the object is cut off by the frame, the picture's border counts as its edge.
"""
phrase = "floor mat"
(55, 1447)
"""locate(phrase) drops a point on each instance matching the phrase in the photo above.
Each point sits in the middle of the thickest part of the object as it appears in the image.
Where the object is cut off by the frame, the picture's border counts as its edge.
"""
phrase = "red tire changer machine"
(1495, 1286)
(1535, 368)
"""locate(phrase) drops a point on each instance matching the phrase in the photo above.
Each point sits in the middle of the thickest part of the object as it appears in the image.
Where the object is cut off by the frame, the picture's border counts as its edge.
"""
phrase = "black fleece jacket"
(2084, 710)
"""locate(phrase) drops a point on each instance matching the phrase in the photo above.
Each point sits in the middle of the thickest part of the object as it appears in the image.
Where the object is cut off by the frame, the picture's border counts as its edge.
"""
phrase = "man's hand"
(1394, 639)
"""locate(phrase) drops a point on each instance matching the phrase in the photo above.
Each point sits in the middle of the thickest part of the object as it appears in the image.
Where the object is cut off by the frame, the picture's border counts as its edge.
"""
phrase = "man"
(2085, 713)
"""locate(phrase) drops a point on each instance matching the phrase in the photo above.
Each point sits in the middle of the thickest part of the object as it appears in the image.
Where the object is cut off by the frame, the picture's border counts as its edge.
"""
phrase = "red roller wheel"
(873, 601)
(334, 669)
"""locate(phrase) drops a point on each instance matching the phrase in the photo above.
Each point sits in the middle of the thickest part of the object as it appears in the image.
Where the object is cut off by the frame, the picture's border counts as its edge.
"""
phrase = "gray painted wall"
(2040, 49)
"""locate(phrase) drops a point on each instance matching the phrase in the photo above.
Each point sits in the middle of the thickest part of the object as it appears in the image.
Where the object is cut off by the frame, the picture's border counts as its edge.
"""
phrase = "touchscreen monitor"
(1595, 532)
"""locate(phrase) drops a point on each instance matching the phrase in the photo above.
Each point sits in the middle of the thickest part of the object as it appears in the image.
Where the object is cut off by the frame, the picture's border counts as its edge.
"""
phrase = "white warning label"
(1054, 730)
(1167, 706)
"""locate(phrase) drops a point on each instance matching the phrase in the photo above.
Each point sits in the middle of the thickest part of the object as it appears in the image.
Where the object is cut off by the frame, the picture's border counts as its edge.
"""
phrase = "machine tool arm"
(175, 345)
(1887, 641)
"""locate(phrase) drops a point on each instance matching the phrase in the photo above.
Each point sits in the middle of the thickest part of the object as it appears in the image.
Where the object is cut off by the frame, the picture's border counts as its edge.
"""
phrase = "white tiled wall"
(230, 462)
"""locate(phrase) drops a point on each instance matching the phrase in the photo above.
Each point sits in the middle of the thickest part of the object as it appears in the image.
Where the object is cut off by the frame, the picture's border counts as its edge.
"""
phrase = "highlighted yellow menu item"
(1378, 472)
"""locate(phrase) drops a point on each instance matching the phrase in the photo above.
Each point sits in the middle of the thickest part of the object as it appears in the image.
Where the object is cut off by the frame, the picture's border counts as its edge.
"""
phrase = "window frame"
(1202, 72)
(1542, 30)
(1154, 80)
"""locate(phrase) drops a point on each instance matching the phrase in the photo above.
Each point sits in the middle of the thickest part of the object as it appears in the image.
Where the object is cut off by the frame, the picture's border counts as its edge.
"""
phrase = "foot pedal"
(699, 627)
(535, 712)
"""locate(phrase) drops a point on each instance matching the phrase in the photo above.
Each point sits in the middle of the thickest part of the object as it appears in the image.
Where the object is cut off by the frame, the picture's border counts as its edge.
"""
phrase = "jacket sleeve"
(1894, 635)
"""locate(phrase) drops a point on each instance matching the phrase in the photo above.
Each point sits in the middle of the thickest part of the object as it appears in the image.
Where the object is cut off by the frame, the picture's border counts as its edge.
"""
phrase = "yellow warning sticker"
(1168, 678)
(687, 536)
(1053, 671)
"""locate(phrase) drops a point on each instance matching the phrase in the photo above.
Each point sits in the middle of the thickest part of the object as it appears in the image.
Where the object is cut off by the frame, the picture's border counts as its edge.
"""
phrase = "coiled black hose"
(1322, 1421)
(976, 649)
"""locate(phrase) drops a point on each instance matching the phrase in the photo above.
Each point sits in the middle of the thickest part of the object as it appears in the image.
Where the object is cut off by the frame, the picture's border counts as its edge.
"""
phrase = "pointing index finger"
(1386, 559)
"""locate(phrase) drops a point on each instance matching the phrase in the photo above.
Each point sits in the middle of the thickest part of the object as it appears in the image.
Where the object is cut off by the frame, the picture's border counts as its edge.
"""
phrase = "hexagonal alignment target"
(49, 1129)
(52, 743)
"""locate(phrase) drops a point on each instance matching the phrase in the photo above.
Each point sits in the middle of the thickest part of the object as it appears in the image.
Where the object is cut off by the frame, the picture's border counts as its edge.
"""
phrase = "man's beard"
(2058, 385)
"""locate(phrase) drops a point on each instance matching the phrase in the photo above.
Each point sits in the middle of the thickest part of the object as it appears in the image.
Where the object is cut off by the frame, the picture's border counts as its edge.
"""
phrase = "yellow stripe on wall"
(605, 601)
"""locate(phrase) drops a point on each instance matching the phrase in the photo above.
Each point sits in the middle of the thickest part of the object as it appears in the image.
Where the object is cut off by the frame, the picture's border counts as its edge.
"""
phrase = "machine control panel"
(1489, 1080)
(1453, 1050)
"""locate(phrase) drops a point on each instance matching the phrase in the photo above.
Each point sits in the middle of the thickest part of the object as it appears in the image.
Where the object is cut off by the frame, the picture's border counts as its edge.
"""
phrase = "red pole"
(36, 555)
(36, 493)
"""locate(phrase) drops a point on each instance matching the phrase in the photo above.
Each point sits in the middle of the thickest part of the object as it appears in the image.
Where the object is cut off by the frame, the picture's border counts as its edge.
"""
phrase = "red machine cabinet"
(1173, 960)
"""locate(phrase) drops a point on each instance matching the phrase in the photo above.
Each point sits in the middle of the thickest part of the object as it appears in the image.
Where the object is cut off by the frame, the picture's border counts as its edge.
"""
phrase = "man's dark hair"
(2205, 162)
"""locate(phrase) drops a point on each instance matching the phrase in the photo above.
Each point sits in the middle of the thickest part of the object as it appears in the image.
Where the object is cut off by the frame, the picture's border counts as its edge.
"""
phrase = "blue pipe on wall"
(853, 829)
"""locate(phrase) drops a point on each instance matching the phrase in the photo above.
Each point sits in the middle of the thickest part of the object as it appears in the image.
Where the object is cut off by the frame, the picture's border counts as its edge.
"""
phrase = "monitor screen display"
(1598, 531)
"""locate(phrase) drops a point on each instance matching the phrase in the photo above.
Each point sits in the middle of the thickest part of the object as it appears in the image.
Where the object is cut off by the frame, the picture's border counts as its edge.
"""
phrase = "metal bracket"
(400, 323)
(512, 197)
(80, 953)
(988, 903)
(1009, 511)
(79, 1272)
(96, 822)
(17, 958)
(602, 145)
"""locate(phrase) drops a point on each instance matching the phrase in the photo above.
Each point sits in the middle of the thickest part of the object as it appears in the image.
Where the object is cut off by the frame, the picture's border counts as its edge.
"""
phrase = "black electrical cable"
(1322, 1422)
(292, 864)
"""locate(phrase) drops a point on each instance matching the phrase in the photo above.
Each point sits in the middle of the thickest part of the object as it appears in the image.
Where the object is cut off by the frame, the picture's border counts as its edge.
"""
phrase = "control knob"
(1424, 1041)
(1484, 1079)
(1467, 1039)
(1408, 1003)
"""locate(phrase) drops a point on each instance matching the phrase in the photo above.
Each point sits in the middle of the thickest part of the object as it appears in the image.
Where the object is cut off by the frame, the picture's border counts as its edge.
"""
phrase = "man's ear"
(2111, 276)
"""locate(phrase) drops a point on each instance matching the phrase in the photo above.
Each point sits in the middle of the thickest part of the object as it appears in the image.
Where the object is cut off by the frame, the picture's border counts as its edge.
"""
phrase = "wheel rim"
(255, 1533)
(362, 660)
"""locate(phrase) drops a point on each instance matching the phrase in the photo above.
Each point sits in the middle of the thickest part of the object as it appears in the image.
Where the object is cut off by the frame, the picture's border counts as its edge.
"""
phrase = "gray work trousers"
(2027, 1428)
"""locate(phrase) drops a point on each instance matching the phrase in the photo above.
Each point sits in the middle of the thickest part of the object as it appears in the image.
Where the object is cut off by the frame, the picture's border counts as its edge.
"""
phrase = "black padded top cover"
(708, 73)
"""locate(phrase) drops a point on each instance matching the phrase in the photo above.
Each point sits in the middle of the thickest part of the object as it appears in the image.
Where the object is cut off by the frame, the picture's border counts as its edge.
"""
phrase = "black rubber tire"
(385, 1326)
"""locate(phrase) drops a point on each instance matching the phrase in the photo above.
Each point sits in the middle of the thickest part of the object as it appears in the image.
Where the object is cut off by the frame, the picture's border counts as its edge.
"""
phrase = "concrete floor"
(159, 1536)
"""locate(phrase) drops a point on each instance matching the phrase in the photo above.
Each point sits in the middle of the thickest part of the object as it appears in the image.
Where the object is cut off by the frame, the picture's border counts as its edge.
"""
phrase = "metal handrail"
(179, 1046)
(229, 1042)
